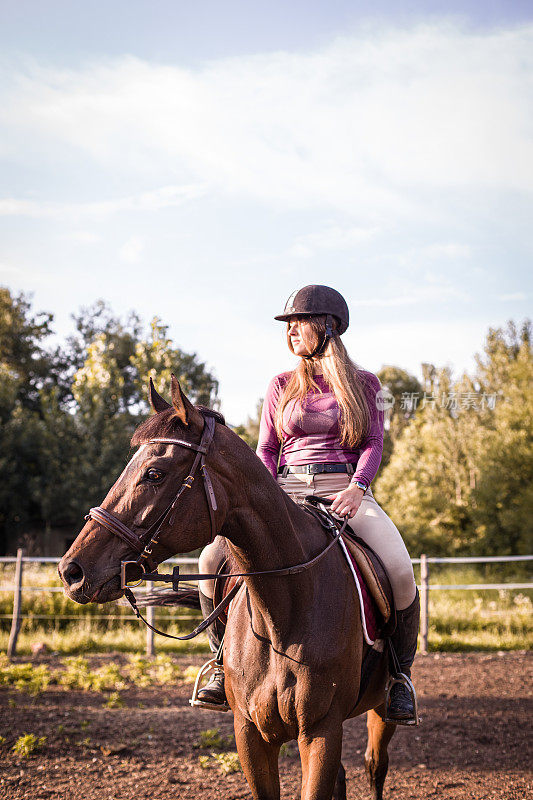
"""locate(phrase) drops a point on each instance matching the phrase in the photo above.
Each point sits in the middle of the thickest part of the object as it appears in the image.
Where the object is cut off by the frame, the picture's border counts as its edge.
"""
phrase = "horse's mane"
(205, 411)
(166, 424)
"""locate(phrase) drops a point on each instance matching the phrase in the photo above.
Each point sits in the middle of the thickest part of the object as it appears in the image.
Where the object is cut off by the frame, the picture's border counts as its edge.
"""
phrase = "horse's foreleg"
(320, 754)
(259, 760)
(376, 756)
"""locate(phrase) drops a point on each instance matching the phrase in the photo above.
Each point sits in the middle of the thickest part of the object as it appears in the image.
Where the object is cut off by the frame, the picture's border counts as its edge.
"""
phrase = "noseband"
(145, 544)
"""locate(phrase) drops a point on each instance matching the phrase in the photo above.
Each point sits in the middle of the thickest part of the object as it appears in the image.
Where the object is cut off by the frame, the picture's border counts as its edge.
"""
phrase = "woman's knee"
(403, 585)
(211, 557)
(209, 562)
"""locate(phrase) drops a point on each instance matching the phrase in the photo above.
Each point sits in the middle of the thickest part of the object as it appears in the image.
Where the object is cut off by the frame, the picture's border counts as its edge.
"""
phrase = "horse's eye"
(154, 475)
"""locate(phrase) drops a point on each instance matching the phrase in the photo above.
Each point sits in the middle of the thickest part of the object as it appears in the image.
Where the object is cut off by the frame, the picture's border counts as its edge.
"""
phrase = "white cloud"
(165, 197)
(10, 269)
(429, 288)
(81, 237)
(446, 250)
(372, 124)
(24, 276)
(131, 251)
(513, 296)
(300, 250)
(333, 237)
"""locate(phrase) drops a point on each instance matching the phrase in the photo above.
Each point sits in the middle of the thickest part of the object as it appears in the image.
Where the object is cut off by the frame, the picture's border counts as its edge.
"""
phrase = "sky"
(200, 162)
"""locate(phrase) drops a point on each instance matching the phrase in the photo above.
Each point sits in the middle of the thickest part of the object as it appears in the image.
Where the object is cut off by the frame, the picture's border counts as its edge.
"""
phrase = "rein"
(144, 545)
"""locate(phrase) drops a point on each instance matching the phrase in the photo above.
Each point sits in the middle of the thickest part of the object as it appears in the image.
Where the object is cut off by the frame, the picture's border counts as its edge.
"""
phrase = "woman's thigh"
(210, 560)
(377, 529)
(371, 523)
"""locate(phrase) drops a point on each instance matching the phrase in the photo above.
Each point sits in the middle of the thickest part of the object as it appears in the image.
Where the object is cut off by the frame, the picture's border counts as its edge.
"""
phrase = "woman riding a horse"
(321, 434)
(295, 647)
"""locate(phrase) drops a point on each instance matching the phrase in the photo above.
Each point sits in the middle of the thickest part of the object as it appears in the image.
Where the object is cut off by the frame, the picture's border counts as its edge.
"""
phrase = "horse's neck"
(273, 533)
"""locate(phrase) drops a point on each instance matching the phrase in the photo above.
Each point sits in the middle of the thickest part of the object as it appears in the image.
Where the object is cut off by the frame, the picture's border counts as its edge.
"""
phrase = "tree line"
(457, 463)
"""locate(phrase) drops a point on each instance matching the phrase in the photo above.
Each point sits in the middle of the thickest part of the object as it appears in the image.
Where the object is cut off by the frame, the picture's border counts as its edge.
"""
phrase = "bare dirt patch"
(474, 741)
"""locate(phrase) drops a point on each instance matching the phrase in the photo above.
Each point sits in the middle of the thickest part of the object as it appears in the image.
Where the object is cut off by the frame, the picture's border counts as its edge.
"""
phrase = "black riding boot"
(214, 691)
(401, 705)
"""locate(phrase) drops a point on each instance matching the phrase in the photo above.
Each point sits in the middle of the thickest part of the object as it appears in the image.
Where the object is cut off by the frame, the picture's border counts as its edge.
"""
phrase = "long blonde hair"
(342, 375)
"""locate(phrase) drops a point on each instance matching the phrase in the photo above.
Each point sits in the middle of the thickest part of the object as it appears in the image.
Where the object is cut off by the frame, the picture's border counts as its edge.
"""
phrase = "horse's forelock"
(166, 424)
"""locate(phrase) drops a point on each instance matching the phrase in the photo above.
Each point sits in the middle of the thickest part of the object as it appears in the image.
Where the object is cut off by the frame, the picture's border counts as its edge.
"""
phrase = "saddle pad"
(374, 574)
(369, 612)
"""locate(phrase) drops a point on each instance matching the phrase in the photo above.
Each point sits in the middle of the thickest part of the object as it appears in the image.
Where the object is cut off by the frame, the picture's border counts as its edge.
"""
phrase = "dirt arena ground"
(474, 741)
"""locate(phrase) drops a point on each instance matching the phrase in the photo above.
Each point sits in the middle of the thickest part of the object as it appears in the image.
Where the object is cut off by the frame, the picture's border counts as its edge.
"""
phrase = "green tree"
(459, 478)
(250, 430)
(503, 346)
(103, 420)
(425, 487)
(61, 487)
(503, 507)
(25, 367)
(110, 393)
(119, 337)
(157, 357)
(21, 446)
(9, 391)
(23, 358)
(406, 390)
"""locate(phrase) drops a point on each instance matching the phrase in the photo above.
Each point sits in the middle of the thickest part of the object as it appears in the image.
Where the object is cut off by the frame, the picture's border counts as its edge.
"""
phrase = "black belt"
(316, 469)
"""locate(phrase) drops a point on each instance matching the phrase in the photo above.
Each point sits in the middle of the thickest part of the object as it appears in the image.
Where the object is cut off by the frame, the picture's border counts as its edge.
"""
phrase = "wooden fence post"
(17, 601)
(150, 616)
(424, 603)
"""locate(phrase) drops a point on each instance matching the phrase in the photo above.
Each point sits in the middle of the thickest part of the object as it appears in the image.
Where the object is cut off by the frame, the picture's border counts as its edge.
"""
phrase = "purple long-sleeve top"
(311, 431)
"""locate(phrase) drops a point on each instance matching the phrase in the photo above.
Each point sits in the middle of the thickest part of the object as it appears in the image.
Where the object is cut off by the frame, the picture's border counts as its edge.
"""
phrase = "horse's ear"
(183, 407)
(156, 401)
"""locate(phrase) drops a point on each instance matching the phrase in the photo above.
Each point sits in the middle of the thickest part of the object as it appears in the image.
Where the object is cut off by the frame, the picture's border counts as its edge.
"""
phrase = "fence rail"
(425, 587)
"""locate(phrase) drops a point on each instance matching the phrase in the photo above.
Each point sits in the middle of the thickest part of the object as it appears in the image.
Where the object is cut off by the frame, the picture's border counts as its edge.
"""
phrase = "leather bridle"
(145, 544)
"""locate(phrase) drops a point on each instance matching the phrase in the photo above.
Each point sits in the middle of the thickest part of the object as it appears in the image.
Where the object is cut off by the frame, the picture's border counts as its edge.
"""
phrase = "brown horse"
(294, 645)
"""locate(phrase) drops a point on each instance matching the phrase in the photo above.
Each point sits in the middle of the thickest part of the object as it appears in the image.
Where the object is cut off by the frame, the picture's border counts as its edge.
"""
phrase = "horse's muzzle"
(71, 573)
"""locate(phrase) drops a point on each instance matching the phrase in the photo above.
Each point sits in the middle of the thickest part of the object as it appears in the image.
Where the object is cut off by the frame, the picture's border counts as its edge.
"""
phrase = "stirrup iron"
(404, 680)
(208, 668)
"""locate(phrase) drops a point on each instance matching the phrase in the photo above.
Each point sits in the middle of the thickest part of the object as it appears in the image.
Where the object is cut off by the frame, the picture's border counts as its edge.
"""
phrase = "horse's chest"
(277, 697)
(285, 682)
(272, 707)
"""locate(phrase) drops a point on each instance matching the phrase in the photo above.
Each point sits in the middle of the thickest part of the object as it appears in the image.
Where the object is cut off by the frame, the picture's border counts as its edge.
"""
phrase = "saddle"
(376, 597)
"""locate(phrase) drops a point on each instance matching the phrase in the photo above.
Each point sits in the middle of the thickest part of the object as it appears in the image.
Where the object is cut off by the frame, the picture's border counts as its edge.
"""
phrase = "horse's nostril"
(72, 573)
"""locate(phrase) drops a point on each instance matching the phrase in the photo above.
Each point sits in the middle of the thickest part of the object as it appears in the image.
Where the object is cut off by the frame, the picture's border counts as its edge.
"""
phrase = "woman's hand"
(346, 502)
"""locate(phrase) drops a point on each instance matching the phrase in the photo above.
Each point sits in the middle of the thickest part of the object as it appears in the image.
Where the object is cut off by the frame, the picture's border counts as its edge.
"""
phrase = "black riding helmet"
(314, 300)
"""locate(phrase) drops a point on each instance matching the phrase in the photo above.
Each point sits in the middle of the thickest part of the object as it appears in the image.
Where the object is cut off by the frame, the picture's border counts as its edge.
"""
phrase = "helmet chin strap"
(319, 350)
